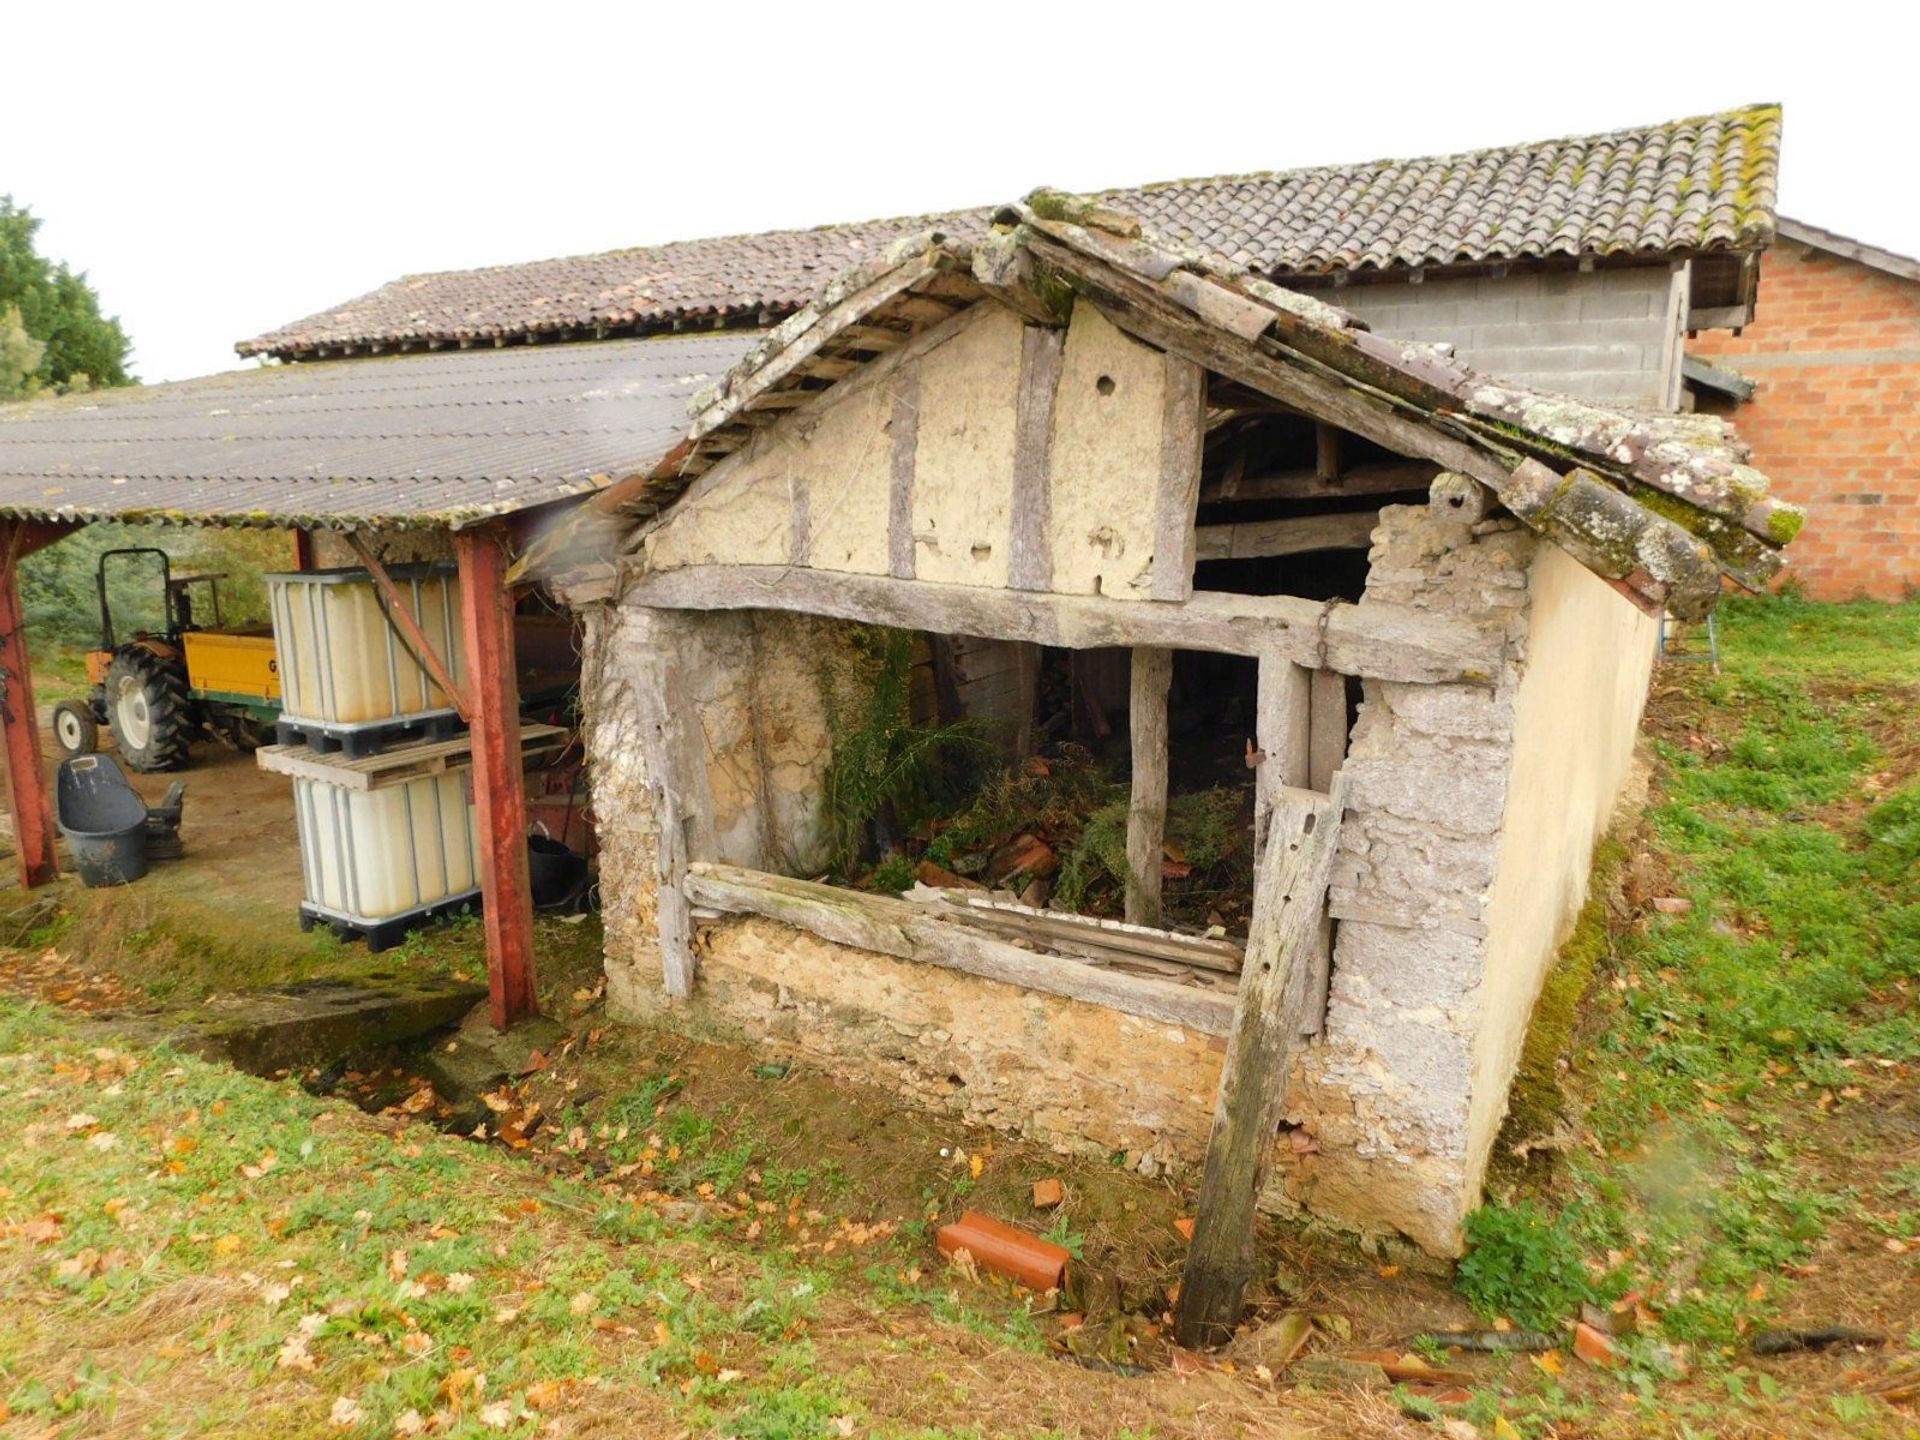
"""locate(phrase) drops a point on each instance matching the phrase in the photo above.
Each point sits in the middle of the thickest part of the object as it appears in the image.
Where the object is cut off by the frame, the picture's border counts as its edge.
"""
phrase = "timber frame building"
(1131, 436)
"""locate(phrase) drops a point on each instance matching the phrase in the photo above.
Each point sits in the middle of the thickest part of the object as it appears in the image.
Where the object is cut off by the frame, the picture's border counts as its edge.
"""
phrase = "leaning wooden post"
(499, 786)
(27, 795)
(1147, 819)
(1289, 898)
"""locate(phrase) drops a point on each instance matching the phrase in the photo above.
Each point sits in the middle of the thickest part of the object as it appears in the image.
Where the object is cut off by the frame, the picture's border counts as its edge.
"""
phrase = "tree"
(47, 305)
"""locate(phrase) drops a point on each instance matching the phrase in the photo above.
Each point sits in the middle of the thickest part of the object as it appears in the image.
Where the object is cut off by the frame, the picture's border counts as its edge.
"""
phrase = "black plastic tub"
(104, 820)
(555, 875)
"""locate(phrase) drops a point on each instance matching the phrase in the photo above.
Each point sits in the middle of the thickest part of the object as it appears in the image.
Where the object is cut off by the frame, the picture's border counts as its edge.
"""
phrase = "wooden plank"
(1326, 728)
(1289, 900)
(1183, 430)
(904, 437)
(1030, 554)
(904, 930)
(1147, 817)
(499, 783)
(1003, 268)
(1386, 642)
(1386, 478)
(395, 767)
(406, 626)
(1109, 935)
(1283, 695)
(1297, 535)
(29, 797)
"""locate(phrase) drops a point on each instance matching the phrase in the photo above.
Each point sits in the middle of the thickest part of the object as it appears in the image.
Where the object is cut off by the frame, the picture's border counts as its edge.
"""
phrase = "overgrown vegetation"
(887, 774)
(899, 793)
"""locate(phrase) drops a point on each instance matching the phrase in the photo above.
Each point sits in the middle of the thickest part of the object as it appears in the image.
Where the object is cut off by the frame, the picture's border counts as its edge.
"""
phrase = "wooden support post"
(1290, 897)
(303, 550)
(1147, 820)
(499, 786)
(1326, 452)
(1327, 728)
(1281, 708)
(28, 798)
(666, 743)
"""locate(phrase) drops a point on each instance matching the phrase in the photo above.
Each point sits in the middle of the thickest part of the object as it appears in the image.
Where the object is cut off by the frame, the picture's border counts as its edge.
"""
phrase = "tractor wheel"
(147, 711)
(74, 730)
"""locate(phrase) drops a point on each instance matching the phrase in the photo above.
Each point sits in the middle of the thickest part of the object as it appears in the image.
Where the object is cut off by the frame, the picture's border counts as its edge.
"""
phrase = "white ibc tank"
(370, 855)
(342, 664)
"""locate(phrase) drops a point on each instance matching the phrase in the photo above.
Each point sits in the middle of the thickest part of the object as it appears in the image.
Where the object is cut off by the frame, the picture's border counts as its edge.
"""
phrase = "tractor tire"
(148, 711)
(74, 730)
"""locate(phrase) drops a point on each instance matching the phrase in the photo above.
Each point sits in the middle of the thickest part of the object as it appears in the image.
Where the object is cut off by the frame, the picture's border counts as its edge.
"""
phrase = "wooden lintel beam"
(407, 626)
(1384, 642)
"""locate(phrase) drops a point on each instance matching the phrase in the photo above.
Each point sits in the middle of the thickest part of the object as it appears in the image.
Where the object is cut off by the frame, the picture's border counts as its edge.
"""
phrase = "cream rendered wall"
(1589, 659)
(817, 488)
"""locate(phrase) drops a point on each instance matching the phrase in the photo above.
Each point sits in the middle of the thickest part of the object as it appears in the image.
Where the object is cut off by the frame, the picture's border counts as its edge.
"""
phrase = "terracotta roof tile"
(1690, 185)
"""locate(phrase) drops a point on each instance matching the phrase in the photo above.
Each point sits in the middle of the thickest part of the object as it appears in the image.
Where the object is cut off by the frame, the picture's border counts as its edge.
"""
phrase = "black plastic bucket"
(104, 820)
(555, 874)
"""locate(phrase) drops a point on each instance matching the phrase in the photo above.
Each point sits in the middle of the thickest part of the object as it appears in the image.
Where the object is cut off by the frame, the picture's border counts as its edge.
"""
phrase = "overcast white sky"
(220, 169)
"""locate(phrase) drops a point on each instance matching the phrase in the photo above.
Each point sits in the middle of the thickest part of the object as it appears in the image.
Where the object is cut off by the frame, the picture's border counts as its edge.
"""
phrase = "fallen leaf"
(346, 1413)
(1185, 1226)
(496, 1416)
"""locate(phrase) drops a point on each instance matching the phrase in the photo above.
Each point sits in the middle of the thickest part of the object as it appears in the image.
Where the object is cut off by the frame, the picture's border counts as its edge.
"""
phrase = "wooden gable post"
(28, 797)
(1290, 898)
(499, 786)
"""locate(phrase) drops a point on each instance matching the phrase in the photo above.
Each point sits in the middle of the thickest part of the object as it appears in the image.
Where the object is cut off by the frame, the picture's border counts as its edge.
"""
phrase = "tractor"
(159, 690)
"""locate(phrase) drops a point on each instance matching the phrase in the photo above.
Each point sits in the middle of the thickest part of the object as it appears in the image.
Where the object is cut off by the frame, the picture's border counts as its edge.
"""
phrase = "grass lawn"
(1716, 1134)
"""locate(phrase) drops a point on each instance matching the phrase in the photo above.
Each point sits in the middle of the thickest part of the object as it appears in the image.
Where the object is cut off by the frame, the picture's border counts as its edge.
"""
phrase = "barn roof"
(1661, 505)
(1690, 186)
(441, 439)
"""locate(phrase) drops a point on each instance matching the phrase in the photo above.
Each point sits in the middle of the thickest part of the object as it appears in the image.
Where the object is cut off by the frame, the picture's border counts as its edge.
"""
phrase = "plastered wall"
(930, 444)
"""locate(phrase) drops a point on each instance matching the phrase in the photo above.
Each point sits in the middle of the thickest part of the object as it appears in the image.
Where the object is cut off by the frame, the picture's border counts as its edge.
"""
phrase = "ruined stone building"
(1065, 438)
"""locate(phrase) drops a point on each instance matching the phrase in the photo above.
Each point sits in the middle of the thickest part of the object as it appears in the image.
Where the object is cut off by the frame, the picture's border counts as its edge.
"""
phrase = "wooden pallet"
(396, 767)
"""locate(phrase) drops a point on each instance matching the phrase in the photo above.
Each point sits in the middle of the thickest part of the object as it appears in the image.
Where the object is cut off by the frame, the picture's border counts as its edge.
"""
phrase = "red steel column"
(499, 786)
(27, 795)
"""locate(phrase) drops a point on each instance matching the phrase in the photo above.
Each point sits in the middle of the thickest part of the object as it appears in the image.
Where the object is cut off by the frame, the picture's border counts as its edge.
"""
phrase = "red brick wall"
(1835, 424)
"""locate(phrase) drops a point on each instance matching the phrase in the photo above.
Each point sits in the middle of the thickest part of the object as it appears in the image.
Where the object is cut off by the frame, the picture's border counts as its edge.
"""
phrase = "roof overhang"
(443, 440)
(1662, 506)
(1891, 262)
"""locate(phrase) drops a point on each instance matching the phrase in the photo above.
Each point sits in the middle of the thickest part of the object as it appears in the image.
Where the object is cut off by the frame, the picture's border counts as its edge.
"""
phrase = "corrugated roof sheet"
(437, 439)
(1686, 186)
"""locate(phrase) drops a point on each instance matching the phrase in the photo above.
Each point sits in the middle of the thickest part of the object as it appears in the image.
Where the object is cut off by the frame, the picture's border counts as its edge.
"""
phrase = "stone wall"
(1611, 334)
(1463, 865)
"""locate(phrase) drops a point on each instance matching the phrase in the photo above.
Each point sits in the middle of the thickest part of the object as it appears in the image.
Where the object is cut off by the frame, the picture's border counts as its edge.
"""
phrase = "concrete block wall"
(1835, 422)
(1606, 335)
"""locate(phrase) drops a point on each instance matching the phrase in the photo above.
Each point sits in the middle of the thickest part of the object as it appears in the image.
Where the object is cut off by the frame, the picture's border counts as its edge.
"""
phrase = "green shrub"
(1524, 1264)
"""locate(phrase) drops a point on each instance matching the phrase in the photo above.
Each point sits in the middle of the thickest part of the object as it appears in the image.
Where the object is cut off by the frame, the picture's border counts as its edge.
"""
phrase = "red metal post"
(27, 795)
(499, 786)
(303, 550)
